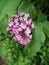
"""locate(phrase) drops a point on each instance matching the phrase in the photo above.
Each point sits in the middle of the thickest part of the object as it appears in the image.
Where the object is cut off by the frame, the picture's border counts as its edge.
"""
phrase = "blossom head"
(21, 25)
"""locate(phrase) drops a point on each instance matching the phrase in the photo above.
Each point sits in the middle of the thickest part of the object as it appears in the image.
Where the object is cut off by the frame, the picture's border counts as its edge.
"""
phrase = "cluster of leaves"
(36, 52)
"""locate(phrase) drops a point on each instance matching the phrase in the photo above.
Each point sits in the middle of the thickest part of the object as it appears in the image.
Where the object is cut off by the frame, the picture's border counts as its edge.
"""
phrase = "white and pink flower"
(21, 25)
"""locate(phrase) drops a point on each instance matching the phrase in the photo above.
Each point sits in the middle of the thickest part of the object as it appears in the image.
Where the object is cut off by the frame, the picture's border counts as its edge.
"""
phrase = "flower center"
(22, 34)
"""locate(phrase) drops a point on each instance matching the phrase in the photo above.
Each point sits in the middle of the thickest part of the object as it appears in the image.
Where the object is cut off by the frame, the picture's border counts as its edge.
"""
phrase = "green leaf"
(46, 27)
(3, 25)
(39, 34)
(2, 4)
(9, 8)
(37, 40)
(34, 49)
(27, 7)
(41, 16)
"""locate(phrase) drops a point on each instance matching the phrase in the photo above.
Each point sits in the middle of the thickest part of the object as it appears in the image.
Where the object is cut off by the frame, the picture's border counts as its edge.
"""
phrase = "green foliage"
(41, 17)
(39, 34)
(2, 3)
(26, 6)
(3, 25)
(46, 27)
(3, 48)
(9, 8)
(34, 49)
(38, 48)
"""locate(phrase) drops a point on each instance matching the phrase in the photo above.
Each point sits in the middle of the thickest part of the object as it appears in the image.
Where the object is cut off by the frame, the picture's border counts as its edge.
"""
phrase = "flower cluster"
(21, 25)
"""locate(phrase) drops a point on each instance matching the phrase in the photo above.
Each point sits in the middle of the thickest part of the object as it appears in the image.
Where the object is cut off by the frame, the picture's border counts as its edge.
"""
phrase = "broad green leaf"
(3, 25)
(46, 27)
(27, 7)
(2, 4)
(37, 40)
(10, 6)
(34, 49)
(39, 34)
(41, 16)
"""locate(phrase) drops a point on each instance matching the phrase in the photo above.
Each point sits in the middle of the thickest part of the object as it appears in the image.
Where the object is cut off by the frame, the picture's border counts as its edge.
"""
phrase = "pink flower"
(21, 25)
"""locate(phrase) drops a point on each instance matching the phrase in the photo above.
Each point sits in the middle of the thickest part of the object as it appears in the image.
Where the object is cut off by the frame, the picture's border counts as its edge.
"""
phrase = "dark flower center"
(22, 34)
